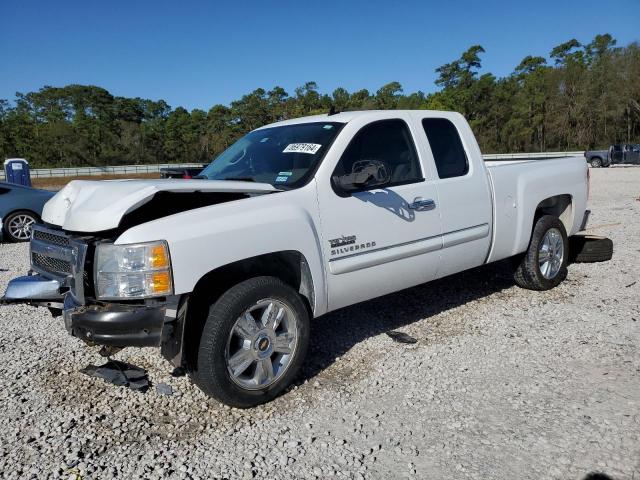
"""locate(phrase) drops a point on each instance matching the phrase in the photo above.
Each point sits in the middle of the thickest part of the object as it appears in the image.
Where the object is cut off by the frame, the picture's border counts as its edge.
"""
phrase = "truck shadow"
(390, 201)
(336, 333)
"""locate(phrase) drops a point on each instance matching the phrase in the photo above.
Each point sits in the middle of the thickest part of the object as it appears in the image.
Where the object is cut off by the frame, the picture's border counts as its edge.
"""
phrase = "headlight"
(133, 271)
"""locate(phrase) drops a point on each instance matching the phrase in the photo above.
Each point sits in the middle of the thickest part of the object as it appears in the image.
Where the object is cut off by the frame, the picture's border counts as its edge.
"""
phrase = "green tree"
(584, 95)
(388, 95)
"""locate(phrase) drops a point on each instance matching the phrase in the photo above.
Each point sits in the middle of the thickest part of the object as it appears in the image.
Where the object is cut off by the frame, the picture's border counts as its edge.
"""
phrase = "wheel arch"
(290, 266)
(28, 210)
(560, 206)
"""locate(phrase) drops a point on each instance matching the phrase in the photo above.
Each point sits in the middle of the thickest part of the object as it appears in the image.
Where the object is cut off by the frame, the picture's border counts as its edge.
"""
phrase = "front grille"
(50, 264)
(57, 255)
(60, 240)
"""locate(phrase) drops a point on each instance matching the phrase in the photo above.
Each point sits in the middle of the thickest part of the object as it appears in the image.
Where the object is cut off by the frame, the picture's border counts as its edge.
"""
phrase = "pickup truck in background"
(294, 220)
(628, 153)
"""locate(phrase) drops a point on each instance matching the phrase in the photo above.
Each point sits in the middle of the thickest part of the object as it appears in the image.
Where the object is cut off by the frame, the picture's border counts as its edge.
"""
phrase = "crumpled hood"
(93, 206)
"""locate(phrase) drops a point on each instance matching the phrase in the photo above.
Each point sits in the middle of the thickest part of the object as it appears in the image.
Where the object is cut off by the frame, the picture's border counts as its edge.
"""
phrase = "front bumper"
(116, 325)
(112, 324)
(57, 281)
(33, 289)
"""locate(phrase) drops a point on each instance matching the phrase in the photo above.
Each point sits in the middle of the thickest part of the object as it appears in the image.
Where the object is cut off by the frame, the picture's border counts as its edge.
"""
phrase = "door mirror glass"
(364, 174)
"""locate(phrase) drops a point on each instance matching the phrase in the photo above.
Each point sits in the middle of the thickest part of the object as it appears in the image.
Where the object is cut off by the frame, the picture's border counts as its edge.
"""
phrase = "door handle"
(422, 205)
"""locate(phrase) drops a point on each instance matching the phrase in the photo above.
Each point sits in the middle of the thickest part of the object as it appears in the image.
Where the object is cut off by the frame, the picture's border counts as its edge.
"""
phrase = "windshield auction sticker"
(311, 148)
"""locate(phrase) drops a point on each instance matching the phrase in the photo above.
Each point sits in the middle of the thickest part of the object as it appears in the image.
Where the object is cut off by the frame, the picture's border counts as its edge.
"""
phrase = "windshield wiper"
(240, 179)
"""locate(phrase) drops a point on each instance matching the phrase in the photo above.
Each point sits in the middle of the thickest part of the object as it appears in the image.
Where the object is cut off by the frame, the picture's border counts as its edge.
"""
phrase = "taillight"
(588, 183)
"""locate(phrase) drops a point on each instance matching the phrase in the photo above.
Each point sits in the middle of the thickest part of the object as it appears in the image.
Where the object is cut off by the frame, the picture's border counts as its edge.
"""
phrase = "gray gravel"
(503, 383)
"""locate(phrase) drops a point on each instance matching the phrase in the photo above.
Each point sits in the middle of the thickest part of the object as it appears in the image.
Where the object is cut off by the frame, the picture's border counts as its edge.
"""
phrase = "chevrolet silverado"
(224, 272)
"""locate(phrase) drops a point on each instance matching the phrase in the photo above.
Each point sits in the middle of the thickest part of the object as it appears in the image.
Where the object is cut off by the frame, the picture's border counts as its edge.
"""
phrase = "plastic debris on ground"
(401, 337)
(164, 389)
(121, 374)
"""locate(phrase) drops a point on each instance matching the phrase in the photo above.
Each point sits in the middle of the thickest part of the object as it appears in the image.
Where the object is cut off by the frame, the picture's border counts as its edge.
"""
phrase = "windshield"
(282, 156)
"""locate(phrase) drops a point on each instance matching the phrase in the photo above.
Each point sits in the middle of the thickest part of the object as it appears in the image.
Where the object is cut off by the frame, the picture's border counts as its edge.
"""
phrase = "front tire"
(544, 265)
(253, 343)
(17, 225)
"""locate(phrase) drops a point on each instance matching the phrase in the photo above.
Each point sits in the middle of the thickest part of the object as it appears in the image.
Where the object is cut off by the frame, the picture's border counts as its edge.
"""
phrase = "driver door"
(380, 239)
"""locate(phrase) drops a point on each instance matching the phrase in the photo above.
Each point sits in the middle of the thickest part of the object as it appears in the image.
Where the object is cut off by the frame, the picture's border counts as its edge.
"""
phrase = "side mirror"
(364, 174)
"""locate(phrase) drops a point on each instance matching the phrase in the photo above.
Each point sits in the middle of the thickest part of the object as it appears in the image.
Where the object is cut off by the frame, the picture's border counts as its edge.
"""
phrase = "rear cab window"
(449, 154)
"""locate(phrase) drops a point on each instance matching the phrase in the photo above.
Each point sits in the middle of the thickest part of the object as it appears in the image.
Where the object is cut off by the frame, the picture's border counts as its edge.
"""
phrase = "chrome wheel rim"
(20, 226)
(261, 344)
(551, 253)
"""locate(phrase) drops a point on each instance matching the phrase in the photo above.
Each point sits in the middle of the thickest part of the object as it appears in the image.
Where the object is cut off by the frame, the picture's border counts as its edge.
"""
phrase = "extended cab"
(294, 220)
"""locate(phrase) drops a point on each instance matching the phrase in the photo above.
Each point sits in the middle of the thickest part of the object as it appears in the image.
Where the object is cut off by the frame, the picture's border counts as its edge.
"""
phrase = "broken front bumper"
(117, 325)
(34, 289)
(59, 268)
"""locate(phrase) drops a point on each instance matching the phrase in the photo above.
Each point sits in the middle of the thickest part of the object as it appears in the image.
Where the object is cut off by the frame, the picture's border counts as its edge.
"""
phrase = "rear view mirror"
(364, 174)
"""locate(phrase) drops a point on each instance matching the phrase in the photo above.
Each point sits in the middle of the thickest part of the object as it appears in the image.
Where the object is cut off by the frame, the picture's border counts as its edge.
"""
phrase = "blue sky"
(197, 54)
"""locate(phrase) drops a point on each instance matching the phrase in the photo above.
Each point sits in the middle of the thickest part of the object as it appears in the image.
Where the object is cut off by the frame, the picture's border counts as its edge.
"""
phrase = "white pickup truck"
(294, 220)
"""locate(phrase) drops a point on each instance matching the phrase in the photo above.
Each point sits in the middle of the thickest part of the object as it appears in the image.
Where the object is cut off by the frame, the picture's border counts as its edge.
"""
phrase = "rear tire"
(544, 264)
(242, 357)
(590, 249)
(17, 225)
(596, 162)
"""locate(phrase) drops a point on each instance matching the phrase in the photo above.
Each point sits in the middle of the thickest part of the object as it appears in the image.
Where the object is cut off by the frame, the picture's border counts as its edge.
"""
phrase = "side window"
(388, 141)
(448, 152)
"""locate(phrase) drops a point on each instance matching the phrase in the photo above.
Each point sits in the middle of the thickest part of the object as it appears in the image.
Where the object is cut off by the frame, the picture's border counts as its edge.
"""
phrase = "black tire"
(590, 249)
(211, 374)
(6, 224)
(596, 162)
(528, 274)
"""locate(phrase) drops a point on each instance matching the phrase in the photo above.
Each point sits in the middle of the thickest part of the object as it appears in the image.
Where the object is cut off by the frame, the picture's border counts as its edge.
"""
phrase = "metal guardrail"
(108, 170)
(127, 169)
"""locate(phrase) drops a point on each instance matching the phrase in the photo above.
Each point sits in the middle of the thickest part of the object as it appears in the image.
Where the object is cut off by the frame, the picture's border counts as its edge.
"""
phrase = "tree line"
(582, 96)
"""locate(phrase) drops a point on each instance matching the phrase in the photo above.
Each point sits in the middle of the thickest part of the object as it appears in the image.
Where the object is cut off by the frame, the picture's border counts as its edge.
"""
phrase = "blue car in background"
(20, 207)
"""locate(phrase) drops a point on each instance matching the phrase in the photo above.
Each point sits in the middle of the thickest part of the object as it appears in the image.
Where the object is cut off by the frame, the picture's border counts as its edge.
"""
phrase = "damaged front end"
(66, 265)
(61, 280)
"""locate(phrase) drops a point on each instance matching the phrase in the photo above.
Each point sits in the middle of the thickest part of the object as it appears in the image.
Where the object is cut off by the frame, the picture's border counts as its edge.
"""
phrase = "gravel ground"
(503, 383)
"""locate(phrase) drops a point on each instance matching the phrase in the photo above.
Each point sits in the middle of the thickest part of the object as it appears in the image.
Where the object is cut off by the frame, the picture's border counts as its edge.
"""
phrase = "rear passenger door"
(466, 207)
(616, 154)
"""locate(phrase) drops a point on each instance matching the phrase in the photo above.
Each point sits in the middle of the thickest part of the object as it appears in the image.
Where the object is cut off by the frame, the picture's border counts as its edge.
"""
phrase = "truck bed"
(519, 185)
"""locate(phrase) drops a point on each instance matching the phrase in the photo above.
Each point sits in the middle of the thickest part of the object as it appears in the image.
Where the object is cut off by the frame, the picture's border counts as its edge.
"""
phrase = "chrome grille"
(50, 264)
(48, 237)
(57, 255)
